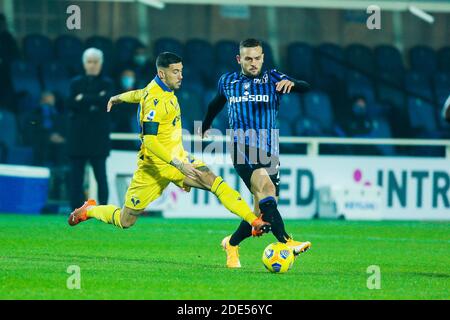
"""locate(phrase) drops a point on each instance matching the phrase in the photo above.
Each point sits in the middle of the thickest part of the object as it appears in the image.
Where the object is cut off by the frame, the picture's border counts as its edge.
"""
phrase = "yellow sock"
(232, 200)
(108, 214)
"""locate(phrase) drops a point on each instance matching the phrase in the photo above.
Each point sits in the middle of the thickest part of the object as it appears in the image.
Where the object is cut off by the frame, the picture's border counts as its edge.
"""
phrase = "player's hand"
(187, 169)
(285, 86)
(112, 101)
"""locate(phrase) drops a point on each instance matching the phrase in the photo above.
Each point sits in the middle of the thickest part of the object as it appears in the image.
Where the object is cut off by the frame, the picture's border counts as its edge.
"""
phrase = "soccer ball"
(278, 257)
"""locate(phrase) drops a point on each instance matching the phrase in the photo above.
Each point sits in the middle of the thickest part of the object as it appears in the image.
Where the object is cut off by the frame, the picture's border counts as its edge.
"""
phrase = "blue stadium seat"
(125, 48)
(25, 83)
(191, 105)
(8, 133)
(208, 95)
(391, 94)
(69, 50)
(317, 106)
(199, 55)
(305, 127)
(106, 46)
(37, 49)
(422, 116)
(269, 61)
(423, 59)
(355, 89)
(225, 52)
(418, 83)
(56, 79)
(168, 44)
(382, 130)
(300, 61)
(444, 59)
(331, 60)
(20, 155)
(221, 122)
(388, 58)
(355, 77)
(290, 107)
(360, 57)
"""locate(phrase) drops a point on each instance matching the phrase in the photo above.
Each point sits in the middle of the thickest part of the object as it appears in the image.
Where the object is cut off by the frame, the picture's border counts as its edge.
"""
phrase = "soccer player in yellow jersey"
(162, 158)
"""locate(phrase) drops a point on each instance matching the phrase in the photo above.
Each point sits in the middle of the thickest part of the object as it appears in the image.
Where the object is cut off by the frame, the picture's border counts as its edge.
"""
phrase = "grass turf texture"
(182, 259)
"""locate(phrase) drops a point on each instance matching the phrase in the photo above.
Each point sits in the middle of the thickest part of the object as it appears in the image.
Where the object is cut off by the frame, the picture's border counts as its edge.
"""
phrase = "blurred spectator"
(48, 132)
(143, 67)
(359, 122)
(124, 114)
(89, 126)
(8, 52)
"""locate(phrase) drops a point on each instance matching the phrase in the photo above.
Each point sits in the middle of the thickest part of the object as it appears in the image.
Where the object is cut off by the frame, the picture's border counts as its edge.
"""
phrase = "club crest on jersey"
(246, 85)
(151, 115)
(135, 201)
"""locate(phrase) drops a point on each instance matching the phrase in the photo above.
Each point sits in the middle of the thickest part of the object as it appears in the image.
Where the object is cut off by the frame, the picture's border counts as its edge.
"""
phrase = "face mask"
(127, 82)
(140, 59)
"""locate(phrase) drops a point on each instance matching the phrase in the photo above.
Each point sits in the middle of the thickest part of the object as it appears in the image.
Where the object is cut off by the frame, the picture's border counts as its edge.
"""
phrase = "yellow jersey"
(160, 113)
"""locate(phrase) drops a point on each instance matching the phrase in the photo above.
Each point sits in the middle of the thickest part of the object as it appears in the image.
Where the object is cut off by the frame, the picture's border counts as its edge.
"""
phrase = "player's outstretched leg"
(122, 218)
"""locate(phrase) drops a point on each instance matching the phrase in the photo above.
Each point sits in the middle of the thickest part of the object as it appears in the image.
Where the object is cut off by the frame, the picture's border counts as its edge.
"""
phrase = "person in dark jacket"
(89, 126)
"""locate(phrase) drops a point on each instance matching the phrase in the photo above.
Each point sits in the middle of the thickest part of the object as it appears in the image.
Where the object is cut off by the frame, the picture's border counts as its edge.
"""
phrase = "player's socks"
(108, 214)
(232, 200)
(268, 207)
(243, 232)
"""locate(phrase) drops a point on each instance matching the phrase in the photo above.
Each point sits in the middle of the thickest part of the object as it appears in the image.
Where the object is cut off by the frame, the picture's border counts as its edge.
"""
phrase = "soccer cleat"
(298, 247)
(232, 253)
(260, 227)
(79, 215)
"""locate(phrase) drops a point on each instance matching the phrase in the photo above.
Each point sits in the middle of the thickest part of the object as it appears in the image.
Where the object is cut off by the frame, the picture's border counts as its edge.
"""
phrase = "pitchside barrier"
(313, 185)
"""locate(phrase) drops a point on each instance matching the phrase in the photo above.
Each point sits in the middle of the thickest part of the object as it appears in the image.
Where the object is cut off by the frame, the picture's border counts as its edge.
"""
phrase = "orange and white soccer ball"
(278, 257)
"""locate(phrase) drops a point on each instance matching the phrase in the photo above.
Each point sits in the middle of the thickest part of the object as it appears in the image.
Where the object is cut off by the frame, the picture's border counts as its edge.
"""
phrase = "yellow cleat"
(298, 247)
(232, 253)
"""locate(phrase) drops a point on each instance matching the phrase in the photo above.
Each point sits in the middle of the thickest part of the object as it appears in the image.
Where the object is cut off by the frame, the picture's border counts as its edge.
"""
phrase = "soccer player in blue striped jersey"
(253, 97)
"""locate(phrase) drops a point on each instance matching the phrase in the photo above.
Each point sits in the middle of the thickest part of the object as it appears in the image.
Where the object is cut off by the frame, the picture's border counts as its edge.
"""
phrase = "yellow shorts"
(150, 180)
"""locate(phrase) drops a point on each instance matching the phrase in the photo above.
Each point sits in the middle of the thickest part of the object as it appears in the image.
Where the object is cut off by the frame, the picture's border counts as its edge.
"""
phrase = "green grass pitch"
(182, 259)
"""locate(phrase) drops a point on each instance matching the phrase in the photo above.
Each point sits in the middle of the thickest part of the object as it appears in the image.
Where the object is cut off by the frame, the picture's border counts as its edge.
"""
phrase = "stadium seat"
(355, 77)
(418, 83)
(423, 59)
(390, 89)
(422, 116)
(125, 48)
(25, 83)
(331, 60)
(106, 46)
(355, 89)
(191, 105)
(168, 44)
(290, 108)
(20, 155)
(388, 58)
(225, 53)
(199, 55)
(300, 61)
(37, 49)
(305, 127)
(444, 59)
(360, 58)
(56, 79)
(269, 60)
(8, 125)
(317, 106)
(69, 50)
(382, 130)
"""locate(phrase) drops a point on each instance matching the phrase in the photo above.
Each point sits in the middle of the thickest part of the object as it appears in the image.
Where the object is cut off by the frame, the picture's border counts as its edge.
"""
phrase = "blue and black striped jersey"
(253, 105)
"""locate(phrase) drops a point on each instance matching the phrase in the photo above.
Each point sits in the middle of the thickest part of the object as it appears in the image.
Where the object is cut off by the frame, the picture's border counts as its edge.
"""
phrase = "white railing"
(313, 143)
